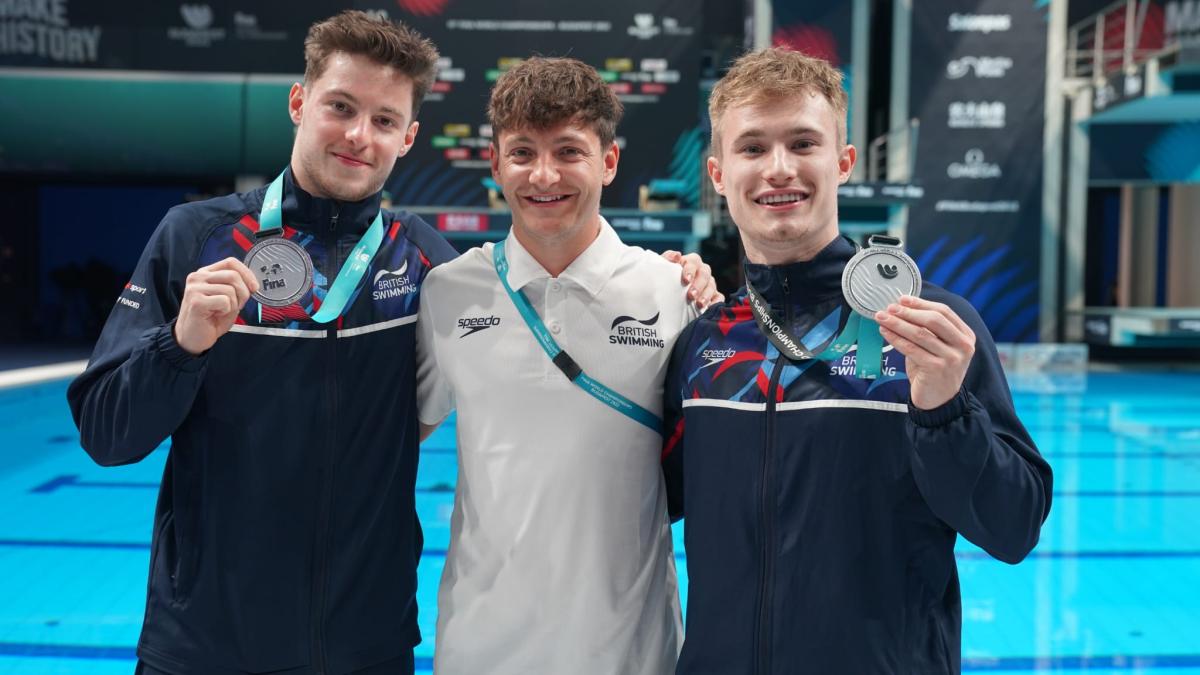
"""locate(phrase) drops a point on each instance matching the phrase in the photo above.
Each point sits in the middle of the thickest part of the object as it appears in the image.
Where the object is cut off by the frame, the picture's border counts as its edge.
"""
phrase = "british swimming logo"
(634, 332)
(391, 283)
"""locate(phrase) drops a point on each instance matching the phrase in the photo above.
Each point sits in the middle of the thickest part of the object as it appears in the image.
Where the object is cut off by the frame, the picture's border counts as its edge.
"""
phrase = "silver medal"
(283, 269)
(878, 275)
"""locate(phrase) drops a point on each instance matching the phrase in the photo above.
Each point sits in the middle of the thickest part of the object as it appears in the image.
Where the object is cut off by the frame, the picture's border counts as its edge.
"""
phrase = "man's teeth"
(551, 198)
(780, 199)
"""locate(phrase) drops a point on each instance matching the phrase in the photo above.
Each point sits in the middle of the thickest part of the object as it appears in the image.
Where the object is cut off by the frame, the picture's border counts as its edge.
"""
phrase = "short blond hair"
(776, 73)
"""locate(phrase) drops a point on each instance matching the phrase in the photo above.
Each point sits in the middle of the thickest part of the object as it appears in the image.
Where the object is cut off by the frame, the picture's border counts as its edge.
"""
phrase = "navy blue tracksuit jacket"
(285, 537)
(822, 509)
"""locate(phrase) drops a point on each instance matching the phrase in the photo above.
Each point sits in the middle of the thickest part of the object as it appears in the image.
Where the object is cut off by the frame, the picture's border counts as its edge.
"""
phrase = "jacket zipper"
(762, 660)
(320, 582)
(787, 300)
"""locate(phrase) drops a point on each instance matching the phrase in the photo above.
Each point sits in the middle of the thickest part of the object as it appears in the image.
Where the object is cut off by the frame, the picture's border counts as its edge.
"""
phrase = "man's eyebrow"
(565, 138)
(350, 97)
(570, 138)
(750, 133)
(759, 133)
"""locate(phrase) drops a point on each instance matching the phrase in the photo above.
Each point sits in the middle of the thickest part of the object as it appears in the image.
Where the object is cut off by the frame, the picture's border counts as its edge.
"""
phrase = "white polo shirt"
(560, 557)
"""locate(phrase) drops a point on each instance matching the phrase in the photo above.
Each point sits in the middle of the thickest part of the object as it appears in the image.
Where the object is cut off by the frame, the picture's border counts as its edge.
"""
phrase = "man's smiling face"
(352, 124)
(779, 165)
(552, 180)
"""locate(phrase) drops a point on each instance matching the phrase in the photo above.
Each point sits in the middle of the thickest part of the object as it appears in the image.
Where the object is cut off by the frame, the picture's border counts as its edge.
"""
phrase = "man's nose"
(545, 172)
(359, 131)
(781, 166)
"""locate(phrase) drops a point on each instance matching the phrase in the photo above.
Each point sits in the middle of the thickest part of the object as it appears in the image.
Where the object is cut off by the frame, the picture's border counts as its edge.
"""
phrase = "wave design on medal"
(876, 296)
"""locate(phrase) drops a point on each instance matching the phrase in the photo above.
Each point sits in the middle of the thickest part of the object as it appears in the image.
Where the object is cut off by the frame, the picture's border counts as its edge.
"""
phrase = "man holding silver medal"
(836, 425)
(270, 335)
(285, 538)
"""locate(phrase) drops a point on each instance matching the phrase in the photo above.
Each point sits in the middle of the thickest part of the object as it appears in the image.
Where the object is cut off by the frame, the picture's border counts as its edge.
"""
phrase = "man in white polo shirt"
(560, 558)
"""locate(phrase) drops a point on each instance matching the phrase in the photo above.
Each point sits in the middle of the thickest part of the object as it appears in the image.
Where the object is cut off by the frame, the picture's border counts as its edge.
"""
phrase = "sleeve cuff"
(165, 344)
(941, 415)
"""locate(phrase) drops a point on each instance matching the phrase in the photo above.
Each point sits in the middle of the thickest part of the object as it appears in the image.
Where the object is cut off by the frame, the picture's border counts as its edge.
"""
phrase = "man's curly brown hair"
(542, 93)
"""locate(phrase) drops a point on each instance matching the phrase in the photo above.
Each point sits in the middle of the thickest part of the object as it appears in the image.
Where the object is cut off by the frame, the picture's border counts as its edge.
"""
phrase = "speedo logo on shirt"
(391, 283)
(475, 324)
(634, 332)
(715, 356)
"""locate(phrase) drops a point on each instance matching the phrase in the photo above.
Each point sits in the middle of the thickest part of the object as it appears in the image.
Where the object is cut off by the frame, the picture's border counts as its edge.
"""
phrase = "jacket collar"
(591, 270)
(809, 282)
(303, 211)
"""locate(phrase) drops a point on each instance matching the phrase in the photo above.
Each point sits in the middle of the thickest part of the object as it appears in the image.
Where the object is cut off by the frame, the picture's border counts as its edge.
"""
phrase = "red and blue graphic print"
(731, 360)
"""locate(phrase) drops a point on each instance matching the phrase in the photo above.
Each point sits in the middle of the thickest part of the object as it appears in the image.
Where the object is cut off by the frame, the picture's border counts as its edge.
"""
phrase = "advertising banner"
(216, 36)
(648, 52)
(977, 87)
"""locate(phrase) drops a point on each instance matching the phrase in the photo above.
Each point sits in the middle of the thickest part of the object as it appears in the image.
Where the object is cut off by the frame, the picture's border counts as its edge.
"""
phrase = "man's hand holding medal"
(937, 346)
(212, 298)
(883, 284)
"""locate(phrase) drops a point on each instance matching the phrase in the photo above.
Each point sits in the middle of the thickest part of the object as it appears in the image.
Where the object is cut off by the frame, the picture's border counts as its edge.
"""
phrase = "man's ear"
(410, 136)
(611, 158)
(296, 103)
(714, 174)
(846, 162)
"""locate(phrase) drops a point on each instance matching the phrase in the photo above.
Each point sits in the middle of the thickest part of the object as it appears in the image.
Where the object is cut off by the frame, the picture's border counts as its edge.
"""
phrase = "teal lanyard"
(563, 360)
(271, 222)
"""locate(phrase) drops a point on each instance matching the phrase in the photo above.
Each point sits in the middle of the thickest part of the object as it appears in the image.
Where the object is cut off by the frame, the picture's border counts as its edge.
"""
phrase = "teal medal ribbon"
(561, 359)
(270, 236)
(868, 364)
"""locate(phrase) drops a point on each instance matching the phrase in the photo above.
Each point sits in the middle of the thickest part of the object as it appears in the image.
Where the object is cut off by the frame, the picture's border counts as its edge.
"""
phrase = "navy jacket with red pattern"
(822, 509)
(285, 536)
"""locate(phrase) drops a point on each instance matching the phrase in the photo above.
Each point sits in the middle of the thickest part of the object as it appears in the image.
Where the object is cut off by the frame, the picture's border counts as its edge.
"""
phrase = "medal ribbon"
(864, 331)
(789, 345)
(870, 342)
(353, 270)
(561, 359)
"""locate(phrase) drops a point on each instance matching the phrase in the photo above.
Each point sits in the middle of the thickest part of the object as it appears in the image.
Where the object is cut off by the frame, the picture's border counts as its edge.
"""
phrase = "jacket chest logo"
(714, 356)
(392, 283)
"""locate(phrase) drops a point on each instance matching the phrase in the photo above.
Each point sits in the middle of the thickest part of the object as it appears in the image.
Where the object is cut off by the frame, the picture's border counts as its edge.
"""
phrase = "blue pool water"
(1113, 587)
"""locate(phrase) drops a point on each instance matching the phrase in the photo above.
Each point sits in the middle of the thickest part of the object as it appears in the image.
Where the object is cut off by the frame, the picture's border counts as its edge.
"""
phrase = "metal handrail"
(877, 151)
(1110, 41)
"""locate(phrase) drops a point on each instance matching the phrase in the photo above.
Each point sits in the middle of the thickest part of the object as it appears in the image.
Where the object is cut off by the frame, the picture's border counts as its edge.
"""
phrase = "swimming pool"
(1114, 585)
